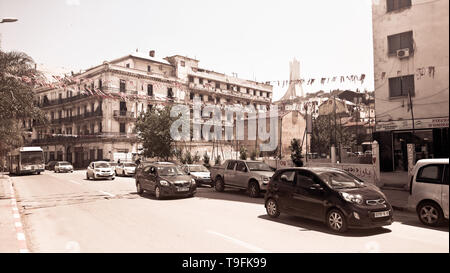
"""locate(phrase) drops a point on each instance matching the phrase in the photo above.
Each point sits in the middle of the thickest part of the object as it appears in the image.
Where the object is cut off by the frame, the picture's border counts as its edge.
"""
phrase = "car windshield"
(198, 168)
(258, 166)
(102, 165)
(170, 171)
(129, 165)
(64, 163)
(340, 180)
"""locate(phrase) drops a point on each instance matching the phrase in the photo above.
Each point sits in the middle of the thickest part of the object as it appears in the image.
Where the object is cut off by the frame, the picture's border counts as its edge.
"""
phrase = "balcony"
(121, 115)
(64, 139)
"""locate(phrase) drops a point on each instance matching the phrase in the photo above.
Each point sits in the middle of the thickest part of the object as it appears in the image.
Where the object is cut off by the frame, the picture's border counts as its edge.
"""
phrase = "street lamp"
(8, 20)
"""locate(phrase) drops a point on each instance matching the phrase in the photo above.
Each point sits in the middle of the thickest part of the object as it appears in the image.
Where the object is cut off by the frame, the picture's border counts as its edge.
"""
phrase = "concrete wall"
(429, 21)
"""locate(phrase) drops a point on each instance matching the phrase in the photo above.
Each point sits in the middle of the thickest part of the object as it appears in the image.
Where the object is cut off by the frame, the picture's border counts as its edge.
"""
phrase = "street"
(64, 212)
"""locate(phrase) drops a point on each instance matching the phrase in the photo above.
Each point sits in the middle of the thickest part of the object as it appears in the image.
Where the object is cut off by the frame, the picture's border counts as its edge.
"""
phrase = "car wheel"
(158, 193)
(253, 189)
(87, 176)
(336, 221)
(272, 208)
(430, 214)
(219, 184)
(139, 188)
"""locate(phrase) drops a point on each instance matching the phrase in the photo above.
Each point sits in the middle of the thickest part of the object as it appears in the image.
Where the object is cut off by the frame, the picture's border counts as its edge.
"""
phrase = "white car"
(199, 173)
(63, 166)
(125, 169)
(100, 169)
(429, 191)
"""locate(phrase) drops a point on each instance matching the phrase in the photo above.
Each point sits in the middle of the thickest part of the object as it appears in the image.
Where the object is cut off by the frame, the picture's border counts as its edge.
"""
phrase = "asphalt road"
(67, 213)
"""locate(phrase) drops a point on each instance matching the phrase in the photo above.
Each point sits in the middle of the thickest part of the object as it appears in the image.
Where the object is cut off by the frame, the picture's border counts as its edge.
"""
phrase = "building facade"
(93, 116)
(411, 67)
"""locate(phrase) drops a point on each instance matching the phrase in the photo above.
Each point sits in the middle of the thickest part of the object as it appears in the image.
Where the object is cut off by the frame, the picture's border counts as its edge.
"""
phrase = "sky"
(254, 38)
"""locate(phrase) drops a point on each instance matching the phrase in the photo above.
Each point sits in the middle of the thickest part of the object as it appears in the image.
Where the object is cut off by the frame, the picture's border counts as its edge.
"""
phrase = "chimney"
(152, 53)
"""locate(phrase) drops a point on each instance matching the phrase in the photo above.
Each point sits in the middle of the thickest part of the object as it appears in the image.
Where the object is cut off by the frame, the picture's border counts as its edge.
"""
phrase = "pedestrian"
(118, 161)
(138, 161)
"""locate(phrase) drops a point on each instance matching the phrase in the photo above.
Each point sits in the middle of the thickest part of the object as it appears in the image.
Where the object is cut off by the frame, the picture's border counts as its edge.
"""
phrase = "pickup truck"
(242, 174)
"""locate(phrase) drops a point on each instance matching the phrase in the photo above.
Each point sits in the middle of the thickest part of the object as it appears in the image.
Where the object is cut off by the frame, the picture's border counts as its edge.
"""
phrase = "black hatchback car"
(330, 195)
(164, 180)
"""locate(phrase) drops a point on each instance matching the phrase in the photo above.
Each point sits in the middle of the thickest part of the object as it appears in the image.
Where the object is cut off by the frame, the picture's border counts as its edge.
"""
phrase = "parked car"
(63, 166)
(113, 166)
(50, 165)
(100, 169)
(164, 180)
(199, 173)
(125, 169)
(242, 174)
(330, 195)
(429, 191)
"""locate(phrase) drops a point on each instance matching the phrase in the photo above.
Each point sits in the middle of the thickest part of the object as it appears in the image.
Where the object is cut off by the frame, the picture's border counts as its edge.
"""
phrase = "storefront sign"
(407, 124)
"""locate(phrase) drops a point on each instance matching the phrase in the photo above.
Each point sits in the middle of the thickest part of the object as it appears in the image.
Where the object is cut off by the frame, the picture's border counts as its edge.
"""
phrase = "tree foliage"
(153, 130)
(243, 153)
(296, 152)
(323, 134)
(16, 98)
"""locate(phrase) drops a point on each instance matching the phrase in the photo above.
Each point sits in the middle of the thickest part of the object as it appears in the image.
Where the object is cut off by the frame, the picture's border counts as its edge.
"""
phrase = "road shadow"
(310, 225)
(411, 219)
(234, 195)
(151, 196)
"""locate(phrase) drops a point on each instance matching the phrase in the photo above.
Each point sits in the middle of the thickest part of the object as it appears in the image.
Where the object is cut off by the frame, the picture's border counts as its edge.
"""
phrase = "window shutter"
(395, 87)
(390, 5)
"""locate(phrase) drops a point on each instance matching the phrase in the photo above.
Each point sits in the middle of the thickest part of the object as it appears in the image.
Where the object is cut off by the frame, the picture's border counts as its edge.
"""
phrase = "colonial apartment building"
(93, 117)
(411, 69)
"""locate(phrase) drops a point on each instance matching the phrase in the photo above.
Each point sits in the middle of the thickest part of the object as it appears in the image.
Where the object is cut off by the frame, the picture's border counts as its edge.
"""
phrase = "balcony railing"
(60, 138)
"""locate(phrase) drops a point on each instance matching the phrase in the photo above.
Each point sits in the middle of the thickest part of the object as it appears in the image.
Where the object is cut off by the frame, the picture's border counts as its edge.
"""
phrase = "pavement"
(67, 213)
(8, 233)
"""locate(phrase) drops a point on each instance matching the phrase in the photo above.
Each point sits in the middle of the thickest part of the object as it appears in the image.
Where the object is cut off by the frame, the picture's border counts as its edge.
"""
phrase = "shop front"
(429, 139)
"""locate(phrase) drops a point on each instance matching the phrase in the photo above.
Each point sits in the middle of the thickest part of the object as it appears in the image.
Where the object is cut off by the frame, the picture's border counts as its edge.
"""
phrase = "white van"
(429, 191)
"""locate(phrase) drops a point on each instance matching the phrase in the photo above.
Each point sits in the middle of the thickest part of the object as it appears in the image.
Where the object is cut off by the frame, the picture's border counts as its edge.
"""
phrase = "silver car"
(63, 166)
(125, 169)
(100, 169)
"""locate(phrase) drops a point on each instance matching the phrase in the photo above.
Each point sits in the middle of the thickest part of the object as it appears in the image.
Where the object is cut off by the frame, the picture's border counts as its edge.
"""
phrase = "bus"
(26, 160)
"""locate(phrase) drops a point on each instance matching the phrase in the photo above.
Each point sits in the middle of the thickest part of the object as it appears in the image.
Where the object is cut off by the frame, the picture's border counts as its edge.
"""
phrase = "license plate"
(183, 189)
(381, 214)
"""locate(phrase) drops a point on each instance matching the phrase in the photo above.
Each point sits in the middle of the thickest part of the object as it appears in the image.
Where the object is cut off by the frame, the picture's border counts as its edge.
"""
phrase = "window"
(231, 165)
(169, 92)
(290, 175)
(52, 116)
(430, 174)
(397, 4)
(99, 154)
(100, 84)
(241, 167)
(401, 86)
(122, 85)
(200, 81)
(149, 68)
(92, 128)
(446, 175)
(182, 63)
(191, 79)
(400, 41)
(100, 125)
(128, 65)
(122, 127)
(149, 107)
(304, 180)
(218, 85)
(150, 90)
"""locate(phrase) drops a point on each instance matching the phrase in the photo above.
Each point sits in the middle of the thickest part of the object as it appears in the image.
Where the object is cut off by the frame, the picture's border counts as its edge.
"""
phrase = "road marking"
(107, 193)
(73, 181)
(239, 242)
(20, 236)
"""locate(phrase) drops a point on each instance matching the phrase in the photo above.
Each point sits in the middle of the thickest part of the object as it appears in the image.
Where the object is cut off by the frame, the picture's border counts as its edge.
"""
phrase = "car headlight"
(193, 181)
(352, 198)
(164, 183)
(96, 170)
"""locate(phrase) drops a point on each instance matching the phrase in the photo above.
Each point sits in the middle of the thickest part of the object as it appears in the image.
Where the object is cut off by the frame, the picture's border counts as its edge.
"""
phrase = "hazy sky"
(255, 39)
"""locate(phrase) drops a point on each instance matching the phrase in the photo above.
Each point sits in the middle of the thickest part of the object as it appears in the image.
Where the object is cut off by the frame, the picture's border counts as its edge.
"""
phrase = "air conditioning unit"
(403, 53)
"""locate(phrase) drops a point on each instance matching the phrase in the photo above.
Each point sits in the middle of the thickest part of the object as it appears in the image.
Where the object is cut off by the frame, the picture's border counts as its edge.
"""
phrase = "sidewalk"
(8, 234)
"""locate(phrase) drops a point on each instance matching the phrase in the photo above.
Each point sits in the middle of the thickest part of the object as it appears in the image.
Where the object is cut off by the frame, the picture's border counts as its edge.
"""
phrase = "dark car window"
(146, 169)
(430, 174)
(304, 180)
(339, 180)
(290, 175)
(241, 167)
(231, 165)
(258, 166)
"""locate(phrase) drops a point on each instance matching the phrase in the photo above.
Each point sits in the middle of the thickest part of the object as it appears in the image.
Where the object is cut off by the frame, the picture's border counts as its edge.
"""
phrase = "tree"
(296, 152)
(17, 80)
(153, 130)
(243, 153)
(323, 134)
(253, 155)
(217, 161)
